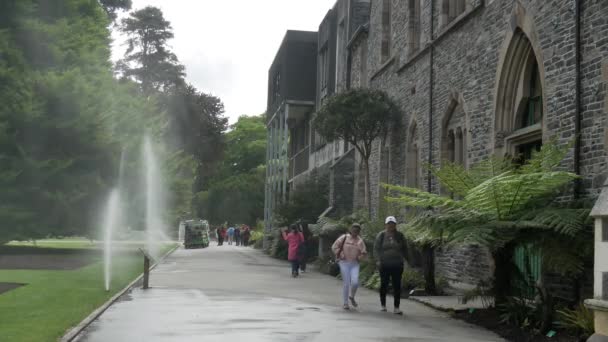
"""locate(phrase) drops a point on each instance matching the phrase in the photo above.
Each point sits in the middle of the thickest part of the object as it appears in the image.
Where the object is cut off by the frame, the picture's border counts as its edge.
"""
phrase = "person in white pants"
(349, 250)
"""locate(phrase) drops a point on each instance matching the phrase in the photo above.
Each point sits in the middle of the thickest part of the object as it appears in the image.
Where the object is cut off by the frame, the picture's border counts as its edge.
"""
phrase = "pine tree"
(148, 59)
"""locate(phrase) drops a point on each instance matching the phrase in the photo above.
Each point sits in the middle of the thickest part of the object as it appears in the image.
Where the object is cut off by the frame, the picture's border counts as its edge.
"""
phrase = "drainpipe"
(431, 59)
(577, 111)
(428, 251)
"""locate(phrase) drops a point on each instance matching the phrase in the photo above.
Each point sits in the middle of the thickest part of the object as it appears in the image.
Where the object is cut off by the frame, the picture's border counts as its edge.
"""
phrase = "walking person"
(220, 236)
(294, 238)
(245, 235)
(224, 233)
(237, 236)
(390, 252)
(230, 235)
(349, 250)
(303, 249)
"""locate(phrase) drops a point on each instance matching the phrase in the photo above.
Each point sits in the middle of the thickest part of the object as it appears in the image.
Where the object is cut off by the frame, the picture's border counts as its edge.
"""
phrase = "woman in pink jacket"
(294, 238)
(349, 249)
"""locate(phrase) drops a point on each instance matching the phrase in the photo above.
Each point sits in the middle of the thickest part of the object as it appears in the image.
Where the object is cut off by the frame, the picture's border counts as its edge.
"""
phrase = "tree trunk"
(503, 259)
(368, 195)
(428, 262)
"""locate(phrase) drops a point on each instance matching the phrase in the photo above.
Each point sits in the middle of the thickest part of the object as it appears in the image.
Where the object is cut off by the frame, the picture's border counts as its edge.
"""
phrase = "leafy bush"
(306, 202)
(441, 285)
(578, 320)
(278, 247)
(517, 311)
(373, 282)
(367, 269)
(482, 291)
(256, 236)
(412, 279)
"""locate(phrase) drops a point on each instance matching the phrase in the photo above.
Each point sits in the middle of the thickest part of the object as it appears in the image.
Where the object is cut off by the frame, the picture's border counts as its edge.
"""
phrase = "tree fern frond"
(548, 158)
(412, 197)
(564, 221)
(491, 167)
(454, 178)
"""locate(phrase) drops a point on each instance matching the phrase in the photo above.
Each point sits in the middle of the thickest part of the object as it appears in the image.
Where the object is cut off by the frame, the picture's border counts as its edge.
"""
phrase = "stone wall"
(464, 267)
(594, 125)
(468, 55)
(343, 177)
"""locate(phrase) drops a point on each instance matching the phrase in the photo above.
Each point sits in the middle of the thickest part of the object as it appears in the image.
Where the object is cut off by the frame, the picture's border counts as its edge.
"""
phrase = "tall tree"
(57, 150)
(148, 59)
(236, 192)
(113, 6)
(196, 125)
(359, 117)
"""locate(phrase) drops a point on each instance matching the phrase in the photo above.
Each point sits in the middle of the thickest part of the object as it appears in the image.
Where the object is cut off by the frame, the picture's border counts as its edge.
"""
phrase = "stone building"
(291, 100)
(477, 78)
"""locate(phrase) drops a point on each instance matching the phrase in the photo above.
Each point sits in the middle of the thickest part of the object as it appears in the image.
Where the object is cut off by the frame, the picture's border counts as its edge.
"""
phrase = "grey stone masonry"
(464, 63)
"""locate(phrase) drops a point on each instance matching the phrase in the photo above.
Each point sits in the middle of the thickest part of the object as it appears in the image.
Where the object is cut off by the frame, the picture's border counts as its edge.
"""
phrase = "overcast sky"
(227, 46)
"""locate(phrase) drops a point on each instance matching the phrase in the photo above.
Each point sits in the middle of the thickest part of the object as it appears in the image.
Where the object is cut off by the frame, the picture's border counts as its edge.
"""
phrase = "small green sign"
(551, 333)
(471, 310)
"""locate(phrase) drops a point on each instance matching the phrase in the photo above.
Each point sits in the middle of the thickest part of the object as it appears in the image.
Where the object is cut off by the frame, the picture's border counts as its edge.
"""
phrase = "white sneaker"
(397, 311)
(383, 309)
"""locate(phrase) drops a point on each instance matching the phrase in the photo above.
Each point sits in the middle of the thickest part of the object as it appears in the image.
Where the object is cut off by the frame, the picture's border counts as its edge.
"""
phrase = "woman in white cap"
(390, 252)
(349, 250)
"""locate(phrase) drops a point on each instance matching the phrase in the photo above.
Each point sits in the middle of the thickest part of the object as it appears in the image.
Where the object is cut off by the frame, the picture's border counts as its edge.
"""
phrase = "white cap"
(390, 219)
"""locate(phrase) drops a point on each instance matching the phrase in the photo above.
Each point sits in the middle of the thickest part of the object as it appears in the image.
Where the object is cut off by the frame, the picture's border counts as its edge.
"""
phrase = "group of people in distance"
(390, 250)
(238, 236)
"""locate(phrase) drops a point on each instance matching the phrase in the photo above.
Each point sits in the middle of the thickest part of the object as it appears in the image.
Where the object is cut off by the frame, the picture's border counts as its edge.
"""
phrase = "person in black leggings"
(390, 252)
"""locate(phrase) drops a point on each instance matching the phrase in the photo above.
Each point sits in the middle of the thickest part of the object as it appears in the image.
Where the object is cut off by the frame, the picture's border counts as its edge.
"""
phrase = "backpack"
(399, 236)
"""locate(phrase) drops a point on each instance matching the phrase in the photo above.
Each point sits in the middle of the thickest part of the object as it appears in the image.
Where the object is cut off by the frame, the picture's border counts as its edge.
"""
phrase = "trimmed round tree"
(359, 117)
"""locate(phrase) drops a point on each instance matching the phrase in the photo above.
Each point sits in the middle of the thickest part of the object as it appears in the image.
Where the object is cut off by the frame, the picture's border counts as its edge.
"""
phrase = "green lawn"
(57, 243)
(54, 301)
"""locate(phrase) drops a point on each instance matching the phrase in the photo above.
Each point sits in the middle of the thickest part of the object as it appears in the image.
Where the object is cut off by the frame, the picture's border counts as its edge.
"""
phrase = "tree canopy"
(359, 117)
(67, 122)
(148, 59)
(236, 193)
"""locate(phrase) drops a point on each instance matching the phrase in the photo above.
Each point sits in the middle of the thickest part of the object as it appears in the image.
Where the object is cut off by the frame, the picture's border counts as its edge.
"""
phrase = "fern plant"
(498, 204)
(578, 320)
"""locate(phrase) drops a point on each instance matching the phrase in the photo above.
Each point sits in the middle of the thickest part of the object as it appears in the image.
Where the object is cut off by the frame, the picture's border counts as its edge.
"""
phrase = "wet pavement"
(238, 294)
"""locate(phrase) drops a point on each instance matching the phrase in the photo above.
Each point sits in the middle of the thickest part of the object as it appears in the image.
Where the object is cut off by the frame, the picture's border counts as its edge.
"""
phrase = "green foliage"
(483, 291)
(148, 60)
(359, 117)
(236, 192)
(67, 120)
(306, 202)
(197, 126)
(246, 145)
(279, 247)
(256, 236)
(518, 312)
(499, 205)
(412, 279)
(373, 282)
(113, 6)
(497, 202)
(579, 320)
(57, 141)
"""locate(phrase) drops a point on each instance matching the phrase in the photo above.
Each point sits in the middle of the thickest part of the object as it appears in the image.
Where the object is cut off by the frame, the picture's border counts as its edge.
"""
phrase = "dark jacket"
(390, 251)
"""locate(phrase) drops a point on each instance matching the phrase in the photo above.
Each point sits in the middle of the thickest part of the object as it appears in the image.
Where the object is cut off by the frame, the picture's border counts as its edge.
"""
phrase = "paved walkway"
(238, 294)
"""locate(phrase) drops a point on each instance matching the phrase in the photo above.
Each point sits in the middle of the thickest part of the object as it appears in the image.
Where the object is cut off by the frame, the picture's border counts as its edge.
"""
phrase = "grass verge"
(54, 301)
